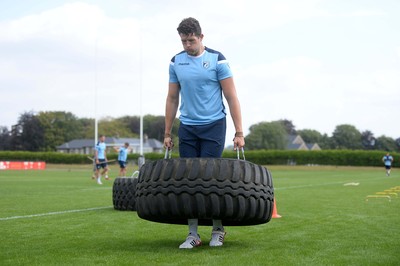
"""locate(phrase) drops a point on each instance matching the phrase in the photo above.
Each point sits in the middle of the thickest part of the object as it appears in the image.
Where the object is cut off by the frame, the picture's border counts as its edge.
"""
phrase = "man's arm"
(171, 108)
(96, 155)
(229, 90)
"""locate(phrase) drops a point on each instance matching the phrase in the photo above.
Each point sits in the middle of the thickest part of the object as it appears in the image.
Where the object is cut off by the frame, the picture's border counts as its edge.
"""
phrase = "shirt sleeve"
(223, 68)
(172, 75)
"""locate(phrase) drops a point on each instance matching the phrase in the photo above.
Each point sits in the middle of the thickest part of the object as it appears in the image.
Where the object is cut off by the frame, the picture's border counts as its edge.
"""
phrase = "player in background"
(122, 158)
(387, 160)
(101, 159)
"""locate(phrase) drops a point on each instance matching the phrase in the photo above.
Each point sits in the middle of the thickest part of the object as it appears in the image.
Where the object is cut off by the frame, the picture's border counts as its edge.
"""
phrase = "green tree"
(28, 134)
(346, 137)
(368, 140)
(386, 143)
(153, 126)
(5, 138)
(111, 128)
(87, 128)
(313, 136)
(326, 142)
(59, 127)
(267, 135)
(310, 135)
(131, 122)
(397, 144)
(288, 126)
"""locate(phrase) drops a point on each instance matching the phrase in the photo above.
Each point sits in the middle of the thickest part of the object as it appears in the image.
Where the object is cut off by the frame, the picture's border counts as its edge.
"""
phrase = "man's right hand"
(168, 144)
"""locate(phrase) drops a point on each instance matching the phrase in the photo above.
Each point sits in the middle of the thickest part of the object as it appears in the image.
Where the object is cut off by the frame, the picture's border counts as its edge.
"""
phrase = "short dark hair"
(189, 26)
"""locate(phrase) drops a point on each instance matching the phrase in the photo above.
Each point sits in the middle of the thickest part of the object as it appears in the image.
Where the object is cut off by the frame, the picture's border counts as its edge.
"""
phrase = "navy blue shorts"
(122, 164)
(102, 164)
(202, 141)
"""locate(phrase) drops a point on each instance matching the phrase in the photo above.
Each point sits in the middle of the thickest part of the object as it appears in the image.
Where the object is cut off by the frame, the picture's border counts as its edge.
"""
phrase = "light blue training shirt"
(388, 160)
(123, 154)
(101, 147)
(201, 92)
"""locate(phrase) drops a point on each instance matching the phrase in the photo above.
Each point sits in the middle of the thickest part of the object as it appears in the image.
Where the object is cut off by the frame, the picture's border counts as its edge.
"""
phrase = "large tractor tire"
(124, 189)
(235, 191)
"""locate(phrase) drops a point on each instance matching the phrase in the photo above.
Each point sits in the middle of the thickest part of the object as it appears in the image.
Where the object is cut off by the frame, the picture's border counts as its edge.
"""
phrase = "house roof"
(313, 146)
(296, 142)
(76, 144)
(294, 146)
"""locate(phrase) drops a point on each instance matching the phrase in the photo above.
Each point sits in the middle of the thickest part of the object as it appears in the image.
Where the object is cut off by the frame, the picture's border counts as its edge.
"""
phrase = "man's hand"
(168, 144)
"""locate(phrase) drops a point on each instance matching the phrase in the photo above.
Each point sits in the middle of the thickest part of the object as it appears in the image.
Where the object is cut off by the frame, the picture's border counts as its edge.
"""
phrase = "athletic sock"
(217, 225)
(193, 225)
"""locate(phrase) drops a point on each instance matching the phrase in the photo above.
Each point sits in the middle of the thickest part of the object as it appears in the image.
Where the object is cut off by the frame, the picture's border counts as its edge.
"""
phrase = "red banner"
(7, 165)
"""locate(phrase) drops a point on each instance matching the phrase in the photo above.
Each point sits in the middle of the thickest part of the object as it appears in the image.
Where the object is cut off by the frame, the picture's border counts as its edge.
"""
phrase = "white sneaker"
(217, 238)
(191, 242)
(99, 181)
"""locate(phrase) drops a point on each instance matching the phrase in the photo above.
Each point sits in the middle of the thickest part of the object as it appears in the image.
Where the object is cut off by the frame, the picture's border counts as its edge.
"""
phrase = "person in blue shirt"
(122, 158)
(387, 160)
(100, 158)
(199, 78)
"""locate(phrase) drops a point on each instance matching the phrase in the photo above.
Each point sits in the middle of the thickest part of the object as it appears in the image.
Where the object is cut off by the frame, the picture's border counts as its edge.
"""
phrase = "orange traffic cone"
(275, 211)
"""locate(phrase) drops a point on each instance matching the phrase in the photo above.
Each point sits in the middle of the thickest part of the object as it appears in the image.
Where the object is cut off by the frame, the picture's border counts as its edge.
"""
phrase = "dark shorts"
(102, 164)
(122, 164)
(202, 141)
(388, 166)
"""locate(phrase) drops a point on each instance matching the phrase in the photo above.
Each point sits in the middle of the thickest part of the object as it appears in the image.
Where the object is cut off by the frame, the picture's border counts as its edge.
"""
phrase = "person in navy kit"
(122, 158)
(387, 160)
(200, 77)
(100, 158)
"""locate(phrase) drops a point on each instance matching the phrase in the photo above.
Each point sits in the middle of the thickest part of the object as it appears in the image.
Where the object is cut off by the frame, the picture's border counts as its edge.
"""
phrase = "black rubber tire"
(235, 191)
(124, 189)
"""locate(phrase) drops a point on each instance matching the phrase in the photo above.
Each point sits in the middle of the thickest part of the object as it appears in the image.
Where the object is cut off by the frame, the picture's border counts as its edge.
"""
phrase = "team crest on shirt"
(206, 64)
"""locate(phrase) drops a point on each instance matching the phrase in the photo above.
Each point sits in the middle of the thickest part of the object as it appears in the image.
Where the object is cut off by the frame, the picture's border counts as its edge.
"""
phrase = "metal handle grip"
(238, 153)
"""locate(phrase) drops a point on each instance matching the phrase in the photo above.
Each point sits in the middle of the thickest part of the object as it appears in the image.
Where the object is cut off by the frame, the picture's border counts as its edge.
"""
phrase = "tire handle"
(167, 154)
(238, 154)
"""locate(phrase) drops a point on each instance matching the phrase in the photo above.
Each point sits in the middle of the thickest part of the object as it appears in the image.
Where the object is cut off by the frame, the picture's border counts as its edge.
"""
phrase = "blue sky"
(317, 63)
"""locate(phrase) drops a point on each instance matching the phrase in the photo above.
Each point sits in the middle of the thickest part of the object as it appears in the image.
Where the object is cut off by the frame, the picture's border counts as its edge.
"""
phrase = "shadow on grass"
(166, 245)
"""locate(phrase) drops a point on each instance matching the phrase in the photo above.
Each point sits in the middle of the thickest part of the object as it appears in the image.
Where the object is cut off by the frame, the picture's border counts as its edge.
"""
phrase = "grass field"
(60, 216)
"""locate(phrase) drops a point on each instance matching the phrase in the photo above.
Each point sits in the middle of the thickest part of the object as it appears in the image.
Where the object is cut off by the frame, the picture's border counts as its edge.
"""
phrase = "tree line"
(44, 131)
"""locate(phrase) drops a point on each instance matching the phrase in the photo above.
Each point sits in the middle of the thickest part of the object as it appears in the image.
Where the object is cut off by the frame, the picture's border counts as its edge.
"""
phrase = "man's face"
(192, 44)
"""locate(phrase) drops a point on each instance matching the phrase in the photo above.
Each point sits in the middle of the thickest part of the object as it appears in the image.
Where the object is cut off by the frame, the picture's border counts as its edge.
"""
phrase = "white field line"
(100, 208)
(315, 185)
(327, 184)
(52, 213)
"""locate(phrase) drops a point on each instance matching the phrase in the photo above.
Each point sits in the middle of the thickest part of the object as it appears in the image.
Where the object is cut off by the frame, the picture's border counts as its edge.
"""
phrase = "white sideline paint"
(330, 183)
(351, 184)
(314, 185)
(99, 208)
(52, 213)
